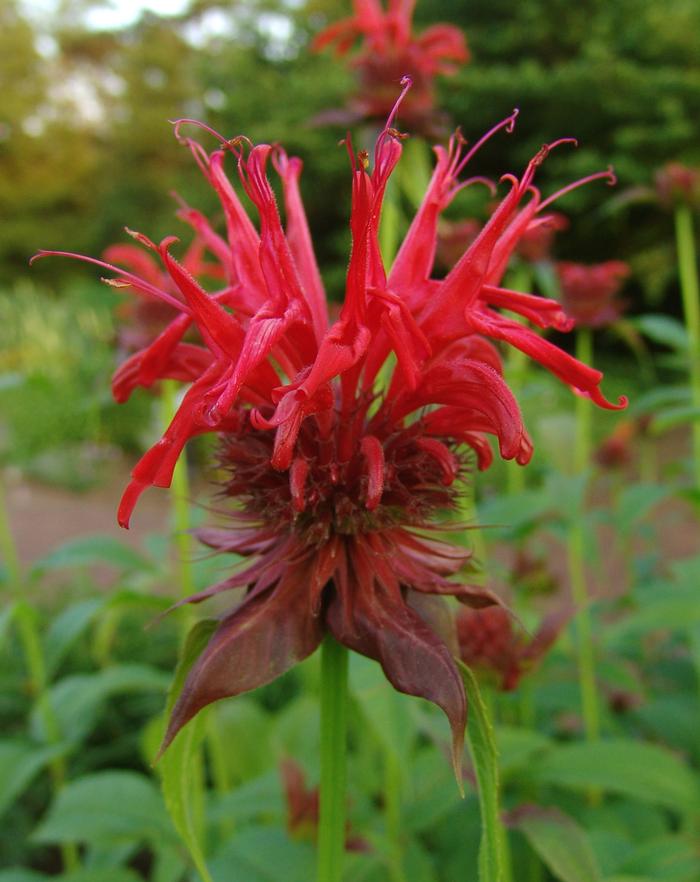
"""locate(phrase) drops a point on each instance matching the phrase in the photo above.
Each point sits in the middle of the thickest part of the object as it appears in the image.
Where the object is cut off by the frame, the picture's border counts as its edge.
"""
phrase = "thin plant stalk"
(334, 702)
(520, 279)
(577, 557)
(180, 500)
(688, 274)
(392, 812)
(36, 664)
(469, 512)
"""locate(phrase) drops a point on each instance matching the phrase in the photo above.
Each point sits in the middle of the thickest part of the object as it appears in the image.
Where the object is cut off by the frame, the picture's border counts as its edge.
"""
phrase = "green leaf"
(516, 514)
(518, 747)
(264, 854)
(91, 551)
(180, 768)
(66, 627)
(254, 800)
(665, 859)
(663, 329)
(655, 399)
(629, 879)
(246, 724)
(482, 747)
(19, 874)
(643, 771)
(107, 807)
(20, 761)
(673, 609)
(637, 501)
(432, 792)
(120, 874)
(560, 842)
(672, 417)
(7, 613)
(673, 719)
(387, 713)
(77, 700)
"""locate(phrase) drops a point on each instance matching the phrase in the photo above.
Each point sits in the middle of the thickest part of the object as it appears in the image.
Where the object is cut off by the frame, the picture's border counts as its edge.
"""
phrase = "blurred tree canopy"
(86, 146)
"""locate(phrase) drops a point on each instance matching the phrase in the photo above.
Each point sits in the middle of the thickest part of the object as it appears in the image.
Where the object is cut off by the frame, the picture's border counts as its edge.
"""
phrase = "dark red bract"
(344, 443)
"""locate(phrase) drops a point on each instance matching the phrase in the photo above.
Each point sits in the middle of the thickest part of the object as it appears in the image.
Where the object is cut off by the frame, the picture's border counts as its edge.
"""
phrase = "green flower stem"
(392, 811)
(584, 407)
(519, 279)
(474, 532)
(577, 555)
(25, 617)
(334, 694)
(688, 273)
(8, 549)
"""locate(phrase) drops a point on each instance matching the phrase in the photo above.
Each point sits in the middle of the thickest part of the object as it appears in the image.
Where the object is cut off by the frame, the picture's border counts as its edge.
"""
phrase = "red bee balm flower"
(488, 640)
(389, 52)
(588, 292)
(678, 184)
(536, 243)
(339, 477)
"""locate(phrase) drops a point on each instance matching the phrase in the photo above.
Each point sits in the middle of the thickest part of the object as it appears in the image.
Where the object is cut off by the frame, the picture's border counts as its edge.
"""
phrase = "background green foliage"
(622, 77)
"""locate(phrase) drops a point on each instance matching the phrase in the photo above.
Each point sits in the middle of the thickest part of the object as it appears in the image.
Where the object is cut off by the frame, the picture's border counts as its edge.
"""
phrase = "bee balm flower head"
(589, 293)
(389, 51)
(338, 479)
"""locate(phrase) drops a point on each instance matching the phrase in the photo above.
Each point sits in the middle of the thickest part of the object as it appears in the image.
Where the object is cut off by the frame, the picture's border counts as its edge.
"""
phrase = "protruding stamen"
(539, 158)
(508, 124)
(477, 179)
(389, 131)
(143, 239)
(178, 123)
(138, 283)
(597, 176)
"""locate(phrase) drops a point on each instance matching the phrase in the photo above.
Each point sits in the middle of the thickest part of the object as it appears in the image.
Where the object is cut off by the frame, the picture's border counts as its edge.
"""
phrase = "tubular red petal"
(579, 376)
(298, 474)
(541, 311)
(444, 458)
(373, 452)
(216, 325)
(300, 242)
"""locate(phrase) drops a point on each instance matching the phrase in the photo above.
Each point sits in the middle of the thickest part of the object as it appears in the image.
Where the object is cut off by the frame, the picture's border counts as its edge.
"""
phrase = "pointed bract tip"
(457, 766)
